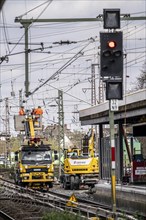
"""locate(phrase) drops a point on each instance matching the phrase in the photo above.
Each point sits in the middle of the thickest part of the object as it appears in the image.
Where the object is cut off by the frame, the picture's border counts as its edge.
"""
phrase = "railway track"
(19, 203)
(102, 210)
(27, 204)
(4, 216)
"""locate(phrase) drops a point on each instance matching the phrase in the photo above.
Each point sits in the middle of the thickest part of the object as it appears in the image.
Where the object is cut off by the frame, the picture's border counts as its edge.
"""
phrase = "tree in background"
(15, 143)
(141, 80)
(53, 142)
(76, 138)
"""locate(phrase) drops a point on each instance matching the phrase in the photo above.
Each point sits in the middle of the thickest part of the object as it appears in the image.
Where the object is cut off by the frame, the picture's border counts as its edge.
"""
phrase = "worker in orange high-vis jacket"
(38, 111)
(38, 115)
(22, 111)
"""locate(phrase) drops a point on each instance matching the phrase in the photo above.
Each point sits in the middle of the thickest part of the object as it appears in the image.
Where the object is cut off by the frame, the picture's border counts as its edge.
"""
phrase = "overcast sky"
(75, 79)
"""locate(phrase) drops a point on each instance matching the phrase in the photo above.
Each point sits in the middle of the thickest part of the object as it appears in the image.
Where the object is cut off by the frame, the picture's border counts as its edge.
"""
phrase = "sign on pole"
(114, 105)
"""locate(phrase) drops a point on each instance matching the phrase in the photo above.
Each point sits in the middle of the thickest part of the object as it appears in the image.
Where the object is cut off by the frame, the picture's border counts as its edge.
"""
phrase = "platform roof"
(132, 109)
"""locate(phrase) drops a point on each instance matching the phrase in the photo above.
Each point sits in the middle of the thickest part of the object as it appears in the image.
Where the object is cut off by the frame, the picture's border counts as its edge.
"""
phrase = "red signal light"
(111, 44)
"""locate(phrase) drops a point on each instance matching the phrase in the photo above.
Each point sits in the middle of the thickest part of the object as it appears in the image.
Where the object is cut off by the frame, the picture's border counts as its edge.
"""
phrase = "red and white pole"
(113, 158)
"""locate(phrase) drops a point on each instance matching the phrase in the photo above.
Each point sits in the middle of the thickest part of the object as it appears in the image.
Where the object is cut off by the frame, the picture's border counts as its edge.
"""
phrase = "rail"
(87, 210)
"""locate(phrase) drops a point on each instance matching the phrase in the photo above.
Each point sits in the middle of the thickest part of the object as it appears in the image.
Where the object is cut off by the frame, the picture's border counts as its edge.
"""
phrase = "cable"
(26, 13)
(62, 68)
(5, 31)
(72, 96)
(5, 57)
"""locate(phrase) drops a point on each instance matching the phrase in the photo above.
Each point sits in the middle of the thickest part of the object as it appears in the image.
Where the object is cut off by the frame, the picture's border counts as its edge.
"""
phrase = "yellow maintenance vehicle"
(34, 166)
(81, 165)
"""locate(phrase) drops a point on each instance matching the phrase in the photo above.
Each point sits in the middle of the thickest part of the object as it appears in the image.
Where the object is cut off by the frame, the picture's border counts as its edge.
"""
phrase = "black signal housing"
(111, 55)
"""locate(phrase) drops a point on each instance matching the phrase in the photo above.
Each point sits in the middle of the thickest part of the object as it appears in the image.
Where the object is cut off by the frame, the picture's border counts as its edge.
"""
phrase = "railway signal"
(111, 71)
(111, 55)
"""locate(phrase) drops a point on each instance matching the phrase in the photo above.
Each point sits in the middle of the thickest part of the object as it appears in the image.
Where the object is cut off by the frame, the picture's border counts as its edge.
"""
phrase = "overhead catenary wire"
(5, 57)
(76, 56)
(26, 13)
(41, 62)
(72, 96)
(5, 31)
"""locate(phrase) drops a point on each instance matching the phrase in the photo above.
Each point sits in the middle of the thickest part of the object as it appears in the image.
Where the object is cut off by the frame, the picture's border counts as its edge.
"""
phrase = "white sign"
(77, 162)
(114, 105)
(140, 171)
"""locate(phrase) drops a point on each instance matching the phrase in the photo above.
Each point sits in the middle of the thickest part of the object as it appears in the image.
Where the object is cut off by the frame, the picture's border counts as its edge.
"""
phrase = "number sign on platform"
(114, 105)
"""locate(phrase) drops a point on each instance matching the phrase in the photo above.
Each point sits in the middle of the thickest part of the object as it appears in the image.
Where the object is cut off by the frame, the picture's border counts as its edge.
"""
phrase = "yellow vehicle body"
(80, 171)
(38, 177)
(81, 166)
(34, 167)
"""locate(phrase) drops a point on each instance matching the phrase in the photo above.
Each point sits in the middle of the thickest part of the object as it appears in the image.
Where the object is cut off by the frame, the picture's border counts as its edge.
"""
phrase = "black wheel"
(19, 181)
(50, 185)
(65, 186)
(61, 179)
(72, 182)
(77, 182)
(16, 178)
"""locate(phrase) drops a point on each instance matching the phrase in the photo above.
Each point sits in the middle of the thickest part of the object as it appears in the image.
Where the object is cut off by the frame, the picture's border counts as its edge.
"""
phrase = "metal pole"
(7, 152)
(26, 26)
(113, 167)
(1, 4)
(61, 126)
(93, 85)
(20, 98)
(59, 137)
(124, 17)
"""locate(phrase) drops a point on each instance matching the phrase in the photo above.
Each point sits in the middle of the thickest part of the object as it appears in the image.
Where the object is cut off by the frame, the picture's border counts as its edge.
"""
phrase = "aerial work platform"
(20, 125)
